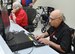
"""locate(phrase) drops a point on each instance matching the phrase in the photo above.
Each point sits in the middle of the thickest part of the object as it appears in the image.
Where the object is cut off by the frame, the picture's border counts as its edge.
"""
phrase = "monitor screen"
(1, 24)
(1, 27)
(5, 19)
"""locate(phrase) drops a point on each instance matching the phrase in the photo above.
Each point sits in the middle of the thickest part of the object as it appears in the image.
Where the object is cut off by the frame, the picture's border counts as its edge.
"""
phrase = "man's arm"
(56, 46)
(45, 34)
(41, 35)
(52, 44)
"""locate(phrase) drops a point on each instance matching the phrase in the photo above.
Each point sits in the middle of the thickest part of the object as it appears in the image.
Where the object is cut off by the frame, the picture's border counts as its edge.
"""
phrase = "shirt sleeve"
(19, 18)
(66, 41)
(22, 17)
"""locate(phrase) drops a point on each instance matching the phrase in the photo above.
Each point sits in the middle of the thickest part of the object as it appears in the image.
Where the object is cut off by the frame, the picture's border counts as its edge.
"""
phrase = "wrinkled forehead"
(55, 14)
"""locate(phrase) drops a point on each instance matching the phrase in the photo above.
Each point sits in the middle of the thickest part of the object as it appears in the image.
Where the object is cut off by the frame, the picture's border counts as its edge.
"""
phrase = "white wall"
(66, 6)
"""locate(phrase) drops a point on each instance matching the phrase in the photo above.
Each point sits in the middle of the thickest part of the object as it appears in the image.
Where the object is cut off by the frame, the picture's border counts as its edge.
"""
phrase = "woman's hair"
(17, 5)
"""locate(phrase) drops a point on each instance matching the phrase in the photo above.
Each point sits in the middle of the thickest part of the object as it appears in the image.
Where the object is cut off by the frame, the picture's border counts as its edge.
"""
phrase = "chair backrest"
(73, 40)
(31, 13)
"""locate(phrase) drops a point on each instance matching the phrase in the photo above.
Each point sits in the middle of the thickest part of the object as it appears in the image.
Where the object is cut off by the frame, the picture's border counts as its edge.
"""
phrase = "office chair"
(31, 13)
(73, 41)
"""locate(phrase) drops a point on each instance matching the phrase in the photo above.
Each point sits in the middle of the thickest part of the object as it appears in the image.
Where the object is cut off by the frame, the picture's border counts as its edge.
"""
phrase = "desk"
(16, 27)
(39, 50)
(4, 49)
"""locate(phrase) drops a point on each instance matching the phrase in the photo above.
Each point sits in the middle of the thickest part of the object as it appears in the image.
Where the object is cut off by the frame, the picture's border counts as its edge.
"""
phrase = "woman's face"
(14, 6)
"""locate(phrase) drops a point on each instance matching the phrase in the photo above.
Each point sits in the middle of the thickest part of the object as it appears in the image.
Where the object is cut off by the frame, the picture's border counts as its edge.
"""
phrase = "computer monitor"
(1, 24)
(5, 20)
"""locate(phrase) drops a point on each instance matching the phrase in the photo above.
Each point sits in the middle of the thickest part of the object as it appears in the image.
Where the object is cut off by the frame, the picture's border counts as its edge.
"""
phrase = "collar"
(60, 26)
(18, 11)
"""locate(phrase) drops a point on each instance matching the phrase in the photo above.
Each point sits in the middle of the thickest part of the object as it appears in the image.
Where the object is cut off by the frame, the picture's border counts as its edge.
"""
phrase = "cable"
(31, 50)
(16, 52)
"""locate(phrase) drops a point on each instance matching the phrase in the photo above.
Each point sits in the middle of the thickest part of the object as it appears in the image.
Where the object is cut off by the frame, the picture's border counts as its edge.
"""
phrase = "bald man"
(59, 33)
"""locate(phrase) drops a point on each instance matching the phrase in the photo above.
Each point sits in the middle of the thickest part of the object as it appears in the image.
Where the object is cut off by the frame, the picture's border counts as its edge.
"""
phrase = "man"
(59, 33)
(27, 3)
(18, 15)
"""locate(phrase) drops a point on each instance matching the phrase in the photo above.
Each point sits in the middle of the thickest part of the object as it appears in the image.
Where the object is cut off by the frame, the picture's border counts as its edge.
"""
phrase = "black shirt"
(62, 36)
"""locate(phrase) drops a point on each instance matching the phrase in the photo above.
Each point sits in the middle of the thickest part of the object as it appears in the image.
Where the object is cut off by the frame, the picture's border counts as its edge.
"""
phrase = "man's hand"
(44, 40)
(39, 36)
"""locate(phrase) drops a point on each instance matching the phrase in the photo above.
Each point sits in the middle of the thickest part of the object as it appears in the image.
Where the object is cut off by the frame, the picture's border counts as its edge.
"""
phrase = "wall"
(66, 6)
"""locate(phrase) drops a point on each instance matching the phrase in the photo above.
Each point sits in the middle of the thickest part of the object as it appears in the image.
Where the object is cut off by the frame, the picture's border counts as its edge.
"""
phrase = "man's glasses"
(53, 18)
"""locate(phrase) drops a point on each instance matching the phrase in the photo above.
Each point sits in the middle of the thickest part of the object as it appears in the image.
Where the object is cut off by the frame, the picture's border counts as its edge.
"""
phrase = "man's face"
(54, 21)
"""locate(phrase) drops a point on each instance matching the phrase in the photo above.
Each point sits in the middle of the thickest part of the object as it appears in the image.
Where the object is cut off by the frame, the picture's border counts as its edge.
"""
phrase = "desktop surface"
(41, 50)
(1, 50)
(4, 47)
(38, 50)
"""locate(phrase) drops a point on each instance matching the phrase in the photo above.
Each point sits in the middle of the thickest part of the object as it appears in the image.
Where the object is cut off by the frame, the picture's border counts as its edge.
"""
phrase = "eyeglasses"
(53, 18)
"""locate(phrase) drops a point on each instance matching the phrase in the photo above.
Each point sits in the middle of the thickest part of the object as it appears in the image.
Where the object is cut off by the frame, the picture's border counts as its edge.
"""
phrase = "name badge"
(54, 37)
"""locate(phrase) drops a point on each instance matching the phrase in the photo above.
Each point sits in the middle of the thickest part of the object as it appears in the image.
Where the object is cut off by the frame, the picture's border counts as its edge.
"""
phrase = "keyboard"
(36, 43)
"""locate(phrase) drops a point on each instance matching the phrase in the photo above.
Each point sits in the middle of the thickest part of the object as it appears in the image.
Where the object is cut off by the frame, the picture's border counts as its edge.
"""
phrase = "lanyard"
(53, 33)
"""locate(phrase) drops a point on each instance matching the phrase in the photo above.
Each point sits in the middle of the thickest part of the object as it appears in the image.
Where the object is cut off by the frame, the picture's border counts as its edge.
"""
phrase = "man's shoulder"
(65, 26)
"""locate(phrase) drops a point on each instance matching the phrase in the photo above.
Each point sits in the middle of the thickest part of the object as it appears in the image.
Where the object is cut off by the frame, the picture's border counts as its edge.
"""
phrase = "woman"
(18, 15)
